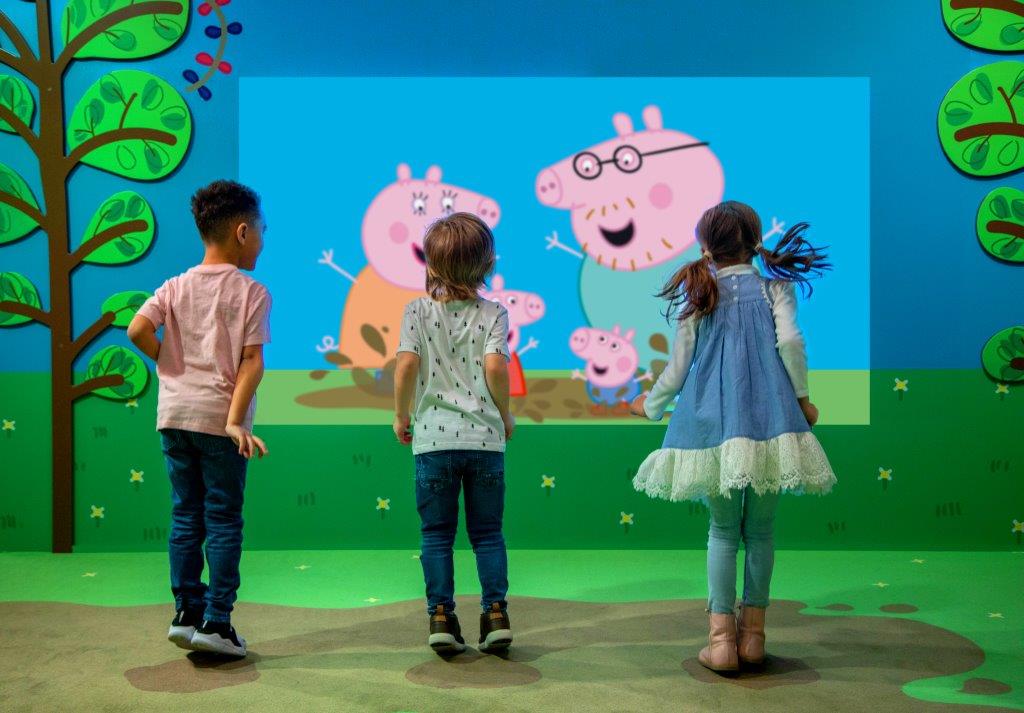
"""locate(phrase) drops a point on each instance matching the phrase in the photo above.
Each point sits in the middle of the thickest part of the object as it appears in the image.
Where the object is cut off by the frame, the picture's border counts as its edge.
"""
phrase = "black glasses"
(626, 158)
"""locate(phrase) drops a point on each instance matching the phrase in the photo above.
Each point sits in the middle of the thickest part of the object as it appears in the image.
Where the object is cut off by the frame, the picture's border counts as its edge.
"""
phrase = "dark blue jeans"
(207, 482)
(481, 476)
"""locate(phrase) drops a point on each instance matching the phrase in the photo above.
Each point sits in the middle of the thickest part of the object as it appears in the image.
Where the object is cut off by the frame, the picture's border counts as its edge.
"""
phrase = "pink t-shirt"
(208, 314)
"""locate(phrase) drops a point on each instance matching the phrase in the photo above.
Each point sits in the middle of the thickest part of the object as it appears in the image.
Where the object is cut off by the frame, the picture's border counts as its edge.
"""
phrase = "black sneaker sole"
(445, 644)
(497, 640)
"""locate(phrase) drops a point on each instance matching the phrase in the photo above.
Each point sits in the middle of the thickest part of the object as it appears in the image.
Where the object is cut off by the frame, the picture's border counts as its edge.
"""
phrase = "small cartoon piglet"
(612, 362)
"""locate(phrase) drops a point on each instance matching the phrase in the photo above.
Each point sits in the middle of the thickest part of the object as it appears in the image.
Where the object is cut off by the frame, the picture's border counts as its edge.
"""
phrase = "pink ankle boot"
(720, 653)
(751, 635)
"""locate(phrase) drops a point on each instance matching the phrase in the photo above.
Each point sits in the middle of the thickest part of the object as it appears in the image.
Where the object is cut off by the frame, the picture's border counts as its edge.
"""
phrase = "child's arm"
(496, 375)
(653, 403)
(496, 358)
(149, 318)
(250, 373)
(789, 341)
(142, 334)
(407, 368)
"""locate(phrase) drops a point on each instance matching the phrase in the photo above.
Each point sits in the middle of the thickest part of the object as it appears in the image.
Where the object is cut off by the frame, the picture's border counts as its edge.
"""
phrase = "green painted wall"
(953, 444)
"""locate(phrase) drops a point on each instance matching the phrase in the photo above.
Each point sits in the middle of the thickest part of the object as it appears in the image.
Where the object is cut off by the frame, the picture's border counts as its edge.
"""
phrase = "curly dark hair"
(219, 205)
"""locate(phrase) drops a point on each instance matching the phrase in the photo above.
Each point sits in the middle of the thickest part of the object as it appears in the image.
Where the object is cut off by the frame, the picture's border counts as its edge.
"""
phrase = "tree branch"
(19, 204)
(993, 128)
(19, 64)
(20, 127)
(109, 137)
(94, 330)
(155, 7)
(12, 31)
(26, 311)
(90, 385)
(103, 237)
(1005, 5)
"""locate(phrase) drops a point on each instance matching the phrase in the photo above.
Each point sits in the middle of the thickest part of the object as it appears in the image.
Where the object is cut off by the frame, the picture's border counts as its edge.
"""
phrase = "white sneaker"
(183, 628)
(218, 637)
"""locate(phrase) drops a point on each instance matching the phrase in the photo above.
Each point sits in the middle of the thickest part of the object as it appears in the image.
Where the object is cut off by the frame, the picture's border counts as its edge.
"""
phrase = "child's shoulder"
(492, 306)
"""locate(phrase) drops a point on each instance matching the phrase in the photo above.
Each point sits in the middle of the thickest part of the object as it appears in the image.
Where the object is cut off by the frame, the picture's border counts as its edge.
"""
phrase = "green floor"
(977, 595)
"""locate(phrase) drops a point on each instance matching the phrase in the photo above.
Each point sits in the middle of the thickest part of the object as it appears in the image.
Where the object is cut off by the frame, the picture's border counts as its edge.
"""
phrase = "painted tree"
(130, 123)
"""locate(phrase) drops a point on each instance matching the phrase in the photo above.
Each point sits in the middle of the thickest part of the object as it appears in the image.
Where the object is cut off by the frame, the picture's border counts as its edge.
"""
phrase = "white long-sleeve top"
(789, 342)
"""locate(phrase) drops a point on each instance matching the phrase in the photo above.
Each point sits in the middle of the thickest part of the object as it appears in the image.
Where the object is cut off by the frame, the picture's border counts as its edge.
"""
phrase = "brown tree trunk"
(53, 175)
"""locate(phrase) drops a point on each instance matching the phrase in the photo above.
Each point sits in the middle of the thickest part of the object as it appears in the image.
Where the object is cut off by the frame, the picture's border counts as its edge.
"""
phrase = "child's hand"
(810, 411)
(510, 425)
(248, 444)
(637, 407)
(402, 429)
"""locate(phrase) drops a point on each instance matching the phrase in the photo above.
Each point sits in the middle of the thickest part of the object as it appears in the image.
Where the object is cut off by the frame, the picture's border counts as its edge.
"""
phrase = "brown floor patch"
(898, 608)
(837, 607)
(194, 673)
(473, 669)
(985, 687)
(567, 656)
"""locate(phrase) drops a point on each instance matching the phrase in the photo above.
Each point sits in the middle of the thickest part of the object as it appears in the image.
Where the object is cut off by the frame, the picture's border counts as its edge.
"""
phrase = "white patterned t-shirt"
(453, 408)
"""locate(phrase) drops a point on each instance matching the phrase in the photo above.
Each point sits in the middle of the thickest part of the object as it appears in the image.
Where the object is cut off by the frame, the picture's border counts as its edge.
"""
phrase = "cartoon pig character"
(523, 308)
(393, 230)
(634, 202)
(612, 361)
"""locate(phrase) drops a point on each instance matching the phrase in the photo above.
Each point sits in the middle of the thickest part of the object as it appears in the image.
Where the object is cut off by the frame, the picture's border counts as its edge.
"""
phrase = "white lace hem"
(791, 461)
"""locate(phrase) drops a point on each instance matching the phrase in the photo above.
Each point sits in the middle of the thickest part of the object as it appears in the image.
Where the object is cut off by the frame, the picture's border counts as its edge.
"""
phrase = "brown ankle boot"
(750, 623)
(720, 653)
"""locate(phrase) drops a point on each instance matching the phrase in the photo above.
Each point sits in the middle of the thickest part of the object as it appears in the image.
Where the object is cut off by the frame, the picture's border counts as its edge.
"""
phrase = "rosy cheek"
(624, 364)
(660, 195)
(398, 232)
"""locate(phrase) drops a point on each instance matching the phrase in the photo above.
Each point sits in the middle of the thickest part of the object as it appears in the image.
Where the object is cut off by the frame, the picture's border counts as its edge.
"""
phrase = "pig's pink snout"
(488, 211)
(579, 340)
(534, 307)
(549, 187)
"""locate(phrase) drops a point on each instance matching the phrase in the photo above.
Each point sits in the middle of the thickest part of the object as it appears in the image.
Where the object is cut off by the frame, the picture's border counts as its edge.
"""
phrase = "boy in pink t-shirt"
(215, 321)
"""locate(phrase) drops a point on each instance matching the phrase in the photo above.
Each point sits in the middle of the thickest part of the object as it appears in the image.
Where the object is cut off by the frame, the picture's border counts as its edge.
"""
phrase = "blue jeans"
(207, 482)
(439, 477)
(750, 517)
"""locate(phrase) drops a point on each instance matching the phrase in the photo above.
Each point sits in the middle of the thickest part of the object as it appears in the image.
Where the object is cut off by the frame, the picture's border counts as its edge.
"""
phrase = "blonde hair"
(460, 254)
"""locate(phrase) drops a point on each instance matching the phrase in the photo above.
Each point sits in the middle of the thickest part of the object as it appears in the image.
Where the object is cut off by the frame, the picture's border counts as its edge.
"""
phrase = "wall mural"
(129, 123)
(982, 134)
(592, 208)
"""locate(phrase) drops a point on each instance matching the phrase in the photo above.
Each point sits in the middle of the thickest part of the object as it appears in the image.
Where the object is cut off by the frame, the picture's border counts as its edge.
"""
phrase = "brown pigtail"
(693, 287)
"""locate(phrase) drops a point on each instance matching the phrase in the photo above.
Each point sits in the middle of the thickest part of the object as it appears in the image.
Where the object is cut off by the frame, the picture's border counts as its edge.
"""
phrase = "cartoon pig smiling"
(612, 361)
(392, 235)
(523, 308)
(634, 202)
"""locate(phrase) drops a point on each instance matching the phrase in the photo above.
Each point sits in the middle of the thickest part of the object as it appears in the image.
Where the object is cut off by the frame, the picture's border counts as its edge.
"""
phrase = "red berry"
(205, 9)
(204, 59)
(225, 67)
(222, 3)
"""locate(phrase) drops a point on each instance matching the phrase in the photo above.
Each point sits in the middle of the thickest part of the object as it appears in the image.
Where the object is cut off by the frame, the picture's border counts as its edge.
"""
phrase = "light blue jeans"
(750, 517)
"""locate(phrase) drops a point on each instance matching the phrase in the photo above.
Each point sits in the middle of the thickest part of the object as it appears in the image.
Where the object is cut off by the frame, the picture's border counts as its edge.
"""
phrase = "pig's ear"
(404, 172)
(434, 174)
(652, 118)
(623, 124)
(497, 282)
(628, 336)
(615, 329)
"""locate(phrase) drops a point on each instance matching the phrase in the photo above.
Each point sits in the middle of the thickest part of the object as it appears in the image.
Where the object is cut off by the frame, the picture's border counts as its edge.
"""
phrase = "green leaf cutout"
(1003, 355)
(119, 210)
(981, 120)
(119, 361)
(989, 28)
(15, 287)
(124, 305)
(147, 33)
(15, 95)
(1000, 224)
(130, 99)
(14, 224)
